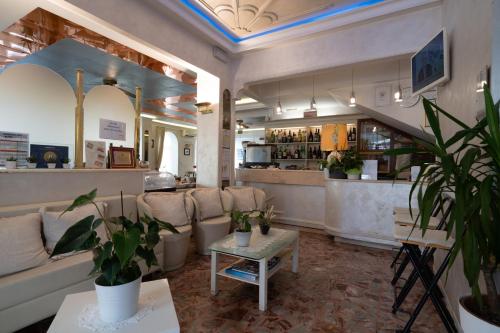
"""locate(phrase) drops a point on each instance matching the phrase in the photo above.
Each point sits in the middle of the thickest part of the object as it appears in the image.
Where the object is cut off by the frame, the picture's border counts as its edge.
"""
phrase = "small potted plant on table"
(265, 219)
(65, 163)
(243, 231)
(51, 162)
(352, 164)
(31, 162)
(11, 162)
(116, 258)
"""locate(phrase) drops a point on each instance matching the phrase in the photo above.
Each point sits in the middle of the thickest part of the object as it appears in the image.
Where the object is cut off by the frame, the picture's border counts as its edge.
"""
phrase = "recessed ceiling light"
(245, 100)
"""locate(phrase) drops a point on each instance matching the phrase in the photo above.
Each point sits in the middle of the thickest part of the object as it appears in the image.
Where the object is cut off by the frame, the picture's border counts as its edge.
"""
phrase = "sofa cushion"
(54, 275)
(168, 207)
(21, 245)
(244, 199)
(209, 202)
(55, 224)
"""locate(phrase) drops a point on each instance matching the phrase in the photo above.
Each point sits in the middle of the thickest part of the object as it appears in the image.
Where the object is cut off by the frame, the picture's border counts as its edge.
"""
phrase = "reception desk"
(354, 210)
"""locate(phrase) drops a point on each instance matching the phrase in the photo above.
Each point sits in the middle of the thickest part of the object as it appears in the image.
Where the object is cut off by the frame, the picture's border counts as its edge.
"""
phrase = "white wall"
(469, 24)
(391, 36)
(37, 101)
(107, 102)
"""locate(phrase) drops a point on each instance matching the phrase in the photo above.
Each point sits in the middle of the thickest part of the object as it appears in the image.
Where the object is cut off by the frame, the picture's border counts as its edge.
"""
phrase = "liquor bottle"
(299, 137)
(294, 137)
(303, 152)
(310, 153)
(354, 134)
(296, 154)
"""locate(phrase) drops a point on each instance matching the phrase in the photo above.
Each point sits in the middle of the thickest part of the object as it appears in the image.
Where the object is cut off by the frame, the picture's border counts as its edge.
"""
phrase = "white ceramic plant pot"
(10, 164)
(117, 303)
(242, 238)
(31, 165)
(471, 323)
(66, 166)
(51, 165)
(354, 176)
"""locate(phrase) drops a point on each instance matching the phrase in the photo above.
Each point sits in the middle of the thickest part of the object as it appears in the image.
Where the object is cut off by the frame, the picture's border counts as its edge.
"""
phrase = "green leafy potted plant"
(11, 162)
(31, 162)
(265, 219)
(51, 161)
(116, 258)
(353, 164)
(467, 167)
(336, 165)
(243, 231)
(65, 163)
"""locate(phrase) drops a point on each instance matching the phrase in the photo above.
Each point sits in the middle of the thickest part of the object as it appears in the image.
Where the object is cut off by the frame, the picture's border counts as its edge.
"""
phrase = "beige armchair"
(247, 198)
(177, 209)
(213, 216)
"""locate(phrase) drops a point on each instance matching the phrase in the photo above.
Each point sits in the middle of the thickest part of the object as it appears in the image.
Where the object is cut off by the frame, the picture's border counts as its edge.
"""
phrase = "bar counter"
(353, 210)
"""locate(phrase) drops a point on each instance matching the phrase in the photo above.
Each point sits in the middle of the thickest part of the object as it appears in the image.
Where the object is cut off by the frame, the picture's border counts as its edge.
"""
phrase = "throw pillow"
(244, 199)
(209, 202)
(55, 224)
(21, 245)
(168, 207)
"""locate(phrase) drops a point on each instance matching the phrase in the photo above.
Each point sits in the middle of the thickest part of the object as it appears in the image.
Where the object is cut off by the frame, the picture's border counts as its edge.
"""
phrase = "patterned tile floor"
(339, 288)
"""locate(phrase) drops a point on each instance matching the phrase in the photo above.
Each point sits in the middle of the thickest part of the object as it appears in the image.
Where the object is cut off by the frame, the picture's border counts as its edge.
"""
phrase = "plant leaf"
(82, 200)
(76, 237)
(126, 242)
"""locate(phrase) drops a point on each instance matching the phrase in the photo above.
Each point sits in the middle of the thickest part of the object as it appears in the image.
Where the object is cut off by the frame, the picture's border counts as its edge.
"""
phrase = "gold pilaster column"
(79, 120)
(137, 129)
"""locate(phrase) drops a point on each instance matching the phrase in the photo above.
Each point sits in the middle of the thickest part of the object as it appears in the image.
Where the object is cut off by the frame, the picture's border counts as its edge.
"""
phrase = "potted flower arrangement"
(31, 162)
(51, 162)
(11, 162)
(243, 230)
(116, 258)
(352, 164)
(265, 219)
(336, 165)
(65, 163)
(467, 167)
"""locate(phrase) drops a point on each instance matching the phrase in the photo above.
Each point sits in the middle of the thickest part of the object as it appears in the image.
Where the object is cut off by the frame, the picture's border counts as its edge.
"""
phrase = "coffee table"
(161, 319)
(278, 242)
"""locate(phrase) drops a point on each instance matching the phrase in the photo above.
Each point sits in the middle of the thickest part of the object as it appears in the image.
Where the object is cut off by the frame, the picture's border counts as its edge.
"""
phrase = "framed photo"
(48, 153)
(383, 96)
(95, 154)
(187, 151)
(122, 157)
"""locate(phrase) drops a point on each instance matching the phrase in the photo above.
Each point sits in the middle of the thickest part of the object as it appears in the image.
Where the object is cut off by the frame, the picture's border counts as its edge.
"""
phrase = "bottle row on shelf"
(297, 153)
(282, 136)
(351, 134)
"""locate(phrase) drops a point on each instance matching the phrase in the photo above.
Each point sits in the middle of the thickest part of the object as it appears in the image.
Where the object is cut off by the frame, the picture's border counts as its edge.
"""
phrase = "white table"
(262, 248)
(162, 319)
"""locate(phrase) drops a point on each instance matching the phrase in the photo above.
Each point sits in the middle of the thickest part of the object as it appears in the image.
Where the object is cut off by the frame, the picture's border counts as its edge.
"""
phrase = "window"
(170, 158)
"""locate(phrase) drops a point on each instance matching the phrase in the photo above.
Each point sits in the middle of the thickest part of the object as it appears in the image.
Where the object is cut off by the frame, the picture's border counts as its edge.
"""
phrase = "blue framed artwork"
(44, 153)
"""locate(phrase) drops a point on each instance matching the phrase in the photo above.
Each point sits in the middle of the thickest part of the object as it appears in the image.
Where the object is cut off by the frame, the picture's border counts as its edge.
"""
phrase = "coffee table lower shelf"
(283, 255)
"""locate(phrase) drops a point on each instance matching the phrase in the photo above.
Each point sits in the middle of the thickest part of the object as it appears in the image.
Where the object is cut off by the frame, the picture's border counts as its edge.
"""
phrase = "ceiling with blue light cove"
(316, 17)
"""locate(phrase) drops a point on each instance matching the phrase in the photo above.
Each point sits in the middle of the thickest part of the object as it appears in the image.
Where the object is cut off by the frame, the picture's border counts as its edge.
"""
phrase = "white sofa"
(31, 295)
(175, 246)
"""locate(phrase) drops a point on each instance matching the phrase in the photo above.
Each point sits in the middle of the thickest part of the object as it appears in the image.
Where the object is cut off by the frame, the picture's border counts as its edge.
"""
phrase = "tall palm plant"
(467, 168)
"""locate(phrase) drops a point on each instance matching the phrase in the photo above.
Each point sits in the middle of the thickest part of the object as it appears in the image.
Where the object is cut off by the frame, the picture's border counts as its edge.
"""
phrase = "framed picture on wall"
(382, 96)
(122, 158)
(187, 151)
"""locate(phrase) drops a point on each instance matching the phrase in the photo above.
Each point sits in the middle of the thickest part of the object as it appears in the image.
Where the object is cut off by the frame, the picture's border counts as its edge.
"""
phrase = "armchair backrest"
(225, 199)
(145, 209)
(258, 194)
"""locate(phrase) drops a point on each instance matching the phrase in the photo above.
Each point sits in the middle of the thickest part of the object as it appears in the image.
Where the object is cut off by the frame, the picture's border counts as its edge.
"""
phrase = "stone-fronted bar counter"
(353, 210)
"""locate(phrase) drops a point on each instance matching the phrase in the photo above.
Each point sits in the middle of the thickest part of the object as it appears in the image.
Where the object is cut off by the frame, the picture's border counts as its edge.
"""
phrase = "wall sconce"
(204, 107)
(482, 79)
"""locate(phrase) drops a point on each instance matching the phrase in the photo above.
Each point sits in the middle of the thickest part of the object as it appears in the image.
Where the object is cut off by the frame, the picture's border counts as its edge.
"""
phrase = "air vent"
(220, 54)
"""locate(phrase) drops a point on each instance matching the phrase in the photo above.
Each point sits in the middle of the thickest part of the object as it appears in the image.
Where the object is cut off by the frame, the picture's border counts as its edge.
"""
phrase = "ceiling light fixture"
(352, 100)
(147, 115)
(279, 108)
(313, 100)
(398, 95)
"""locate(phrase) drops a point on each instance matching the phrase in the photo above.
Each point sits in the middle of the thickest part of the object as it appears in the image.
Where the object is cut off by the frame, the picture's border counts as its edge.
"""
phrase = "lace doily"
(89, 317)
(258, 242)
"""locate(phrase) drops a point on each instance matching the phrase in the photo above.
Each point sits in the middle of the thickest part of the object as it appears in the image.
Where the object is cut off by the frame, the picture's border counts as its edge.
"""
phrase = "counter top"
(60, 170)
(278, 176)
(378, 181)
